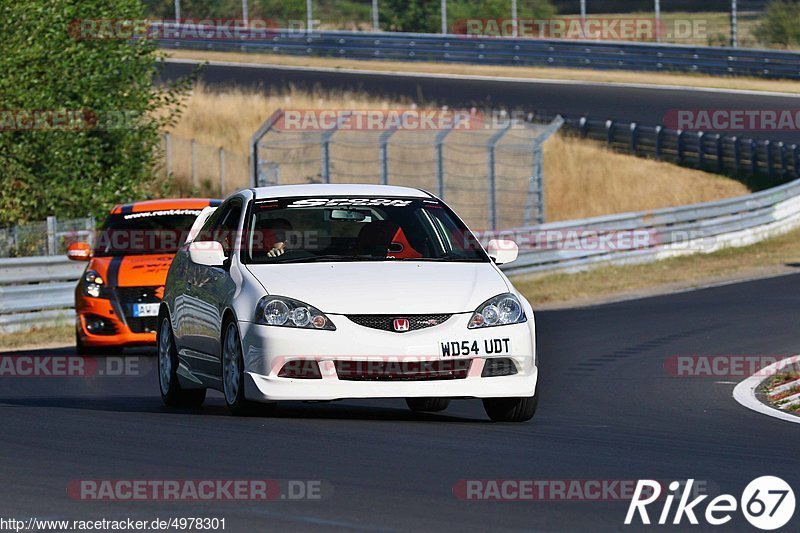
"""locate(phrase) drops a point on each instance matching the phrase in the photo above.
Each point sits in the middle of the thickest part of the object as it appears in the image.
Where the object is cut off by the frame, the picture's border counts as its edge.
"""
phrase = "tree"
(780, 24)
(49, 69)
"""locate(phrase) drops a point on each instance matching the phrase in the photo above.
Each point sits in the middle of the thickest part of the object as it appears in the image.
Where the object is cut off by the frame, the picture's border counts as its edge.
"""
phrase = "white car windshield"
(313, 229)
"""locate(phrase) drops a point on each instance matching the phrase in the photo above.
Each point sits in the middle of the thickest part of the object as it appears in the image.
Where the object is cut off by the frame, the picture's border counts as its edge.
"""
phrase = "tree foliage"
(780, 24)
(47, 69)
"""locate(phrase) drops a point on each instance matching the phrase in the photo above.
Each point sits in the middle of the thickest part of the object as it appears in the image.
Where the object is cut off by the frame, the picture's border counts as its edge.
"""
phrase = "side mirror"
(198, 223)
(79, 251)
(502, 251)
(207, 253)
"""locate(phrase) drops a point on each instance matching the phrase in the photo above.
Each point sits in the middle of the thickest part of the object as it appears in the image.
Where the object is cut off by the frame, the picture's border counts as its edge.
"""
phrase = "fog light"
(501, 366)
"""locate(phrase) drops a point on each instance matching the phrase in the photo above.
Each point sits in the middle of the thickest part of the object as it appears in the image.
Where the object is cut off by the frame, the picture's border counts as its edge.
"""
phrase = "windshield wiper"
(333, 258)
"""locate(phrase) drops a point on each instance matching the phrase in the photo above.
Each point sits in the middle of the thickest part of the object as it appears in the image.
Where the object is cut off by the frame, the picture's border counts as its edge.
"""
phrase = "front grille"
(402, 370)
(145, 324)
(139, 295)
(385, 322)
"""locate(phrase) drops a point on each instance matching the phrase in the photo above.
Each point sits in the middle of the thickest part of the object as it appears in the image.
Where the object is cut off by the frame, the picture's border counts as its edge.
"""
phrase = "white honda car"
(327, 292)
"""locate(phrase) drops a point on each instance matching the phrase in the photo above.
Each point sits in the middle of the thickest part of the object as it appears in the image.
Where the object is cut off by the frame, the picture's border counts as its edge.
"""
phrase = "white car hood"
(384, 287)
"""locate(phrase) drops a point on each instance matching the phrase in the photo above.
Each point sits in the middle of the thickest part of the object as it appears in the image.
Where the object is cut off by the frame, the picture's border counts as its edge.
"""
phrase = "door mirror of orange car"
(502, 251)
(207, 253)
(79, 251)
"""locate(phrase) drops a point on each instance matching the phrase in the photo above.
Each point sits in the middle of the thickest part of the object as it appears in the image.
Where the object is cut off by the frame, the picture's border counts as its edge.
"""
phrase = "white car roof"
(331, 189)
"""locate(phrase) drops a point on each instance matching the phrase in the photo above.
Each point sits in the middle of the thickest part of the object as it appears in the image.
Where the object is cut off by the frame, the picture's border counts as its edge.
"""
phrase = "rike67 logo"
(767, 503)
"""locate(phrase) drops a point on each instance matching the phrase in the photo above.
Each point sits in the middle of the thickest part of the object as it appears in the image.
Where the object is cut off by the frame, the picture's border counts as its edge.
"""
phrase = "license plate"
(145, 310)
(499, 346)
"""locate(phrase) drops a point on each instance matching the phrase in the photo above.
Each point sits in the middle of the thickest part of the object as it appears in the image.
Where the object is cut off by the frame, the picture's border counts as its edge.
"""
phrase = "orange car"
(117, 298)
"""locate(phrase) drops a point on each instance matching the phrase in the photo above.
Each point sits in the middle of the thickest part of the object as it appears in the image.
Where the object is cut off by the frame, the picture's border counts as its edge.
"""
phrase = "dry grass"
(583, 178)
(586, 75)
(770, 257)
(49, 337)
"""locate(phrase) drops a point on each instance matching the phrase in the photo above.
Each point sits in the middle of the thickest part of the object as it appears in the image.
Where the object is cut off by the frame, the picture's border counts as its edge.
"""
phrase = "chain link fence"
(196, 168)
(48, 237)
(492, 176)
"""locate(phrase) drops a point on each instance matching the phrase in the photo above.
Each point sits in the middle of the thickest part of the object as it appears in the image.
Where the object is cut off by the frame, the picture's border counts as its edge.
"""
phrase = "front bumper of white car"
(360, 362)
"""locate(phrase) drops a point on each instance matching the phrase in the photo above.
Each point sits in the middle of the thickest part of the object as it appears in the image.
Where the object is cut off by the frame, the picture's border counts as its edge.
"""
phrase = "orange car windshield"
(147, 232)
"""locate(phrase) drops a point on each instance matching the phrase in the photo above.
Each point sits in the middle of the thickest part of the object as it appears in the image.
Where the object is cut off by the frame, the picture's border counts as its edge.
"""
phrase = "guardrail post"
(51, 236)
(325, 171)
(796, 160)
(492, 177)
(634, 137)
(770, 159)
(583, 127)
(609, 132)
(680, 147)
(784, 162)
(720, 155)
(701, 149)
(659, 140)
(753, 157)
(737, 154)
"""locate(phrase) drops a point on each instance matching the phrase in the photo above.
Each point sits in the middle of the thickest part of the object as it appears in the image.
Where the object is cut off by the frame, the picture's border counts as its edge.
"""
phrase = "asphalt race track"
(635, 104)
(608, 411)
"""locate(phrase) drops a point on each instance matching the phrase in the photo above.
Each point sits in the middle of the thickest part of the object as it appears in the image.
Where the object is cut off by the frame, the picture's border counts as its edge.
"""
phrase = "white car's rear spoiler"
(199, 221)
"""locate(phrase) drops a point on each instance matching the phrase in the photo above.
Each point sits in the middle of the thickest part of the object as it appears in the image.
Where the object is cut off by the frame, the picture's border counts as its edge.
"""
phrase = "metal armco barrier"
(37, 291)
(643, 237)
(605, 55)
(762, 162)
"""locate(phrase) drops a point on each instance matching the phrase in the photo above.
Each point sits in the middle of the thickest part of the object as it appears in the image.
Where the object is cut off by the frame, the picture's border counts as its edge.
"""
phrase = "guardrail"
(763, 162)
(605, 55)
(647, 236)
(37, 291)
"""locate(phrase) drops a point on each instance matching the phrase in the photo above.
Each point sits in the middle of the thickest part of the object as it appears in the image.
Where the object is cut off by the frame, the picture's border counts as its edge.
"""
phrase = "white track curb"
(745, 392)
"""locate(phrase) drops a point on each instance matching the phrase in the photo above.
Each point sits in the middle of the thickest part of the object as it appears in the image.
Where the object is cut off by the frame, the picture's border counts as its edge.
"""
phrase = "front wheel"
(427, 405)
(172, 394)
(233, 372)
(511, 409)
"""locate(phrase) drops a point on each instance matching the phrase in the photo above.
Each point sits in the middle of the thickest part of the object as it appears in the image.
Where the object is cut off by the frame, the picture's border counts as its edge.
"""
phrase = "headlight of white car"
(501, 310)
(290, 313)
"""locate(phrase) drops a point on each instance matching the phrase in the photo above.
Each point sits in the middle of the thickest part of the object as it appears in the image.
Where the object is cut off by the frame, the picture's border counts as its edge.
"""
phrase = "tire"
(172, 394)
(429, 405)
(511, 409)
(233, 372)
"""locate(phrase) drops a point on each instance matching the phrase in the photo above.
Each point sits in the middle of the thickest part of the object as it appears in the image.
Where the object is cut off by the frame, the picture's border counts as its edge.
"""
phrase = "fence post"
(168, 153)
(796, 160)
(440, 161)
(737, 154)
(583, 127)
(194, 164)
(770, 159)
(784, 163)
(634, 137)
(659, 140)
(492, 177)
(753, 157)
(680, 147)
(701, 149)
(384, 154)
(720, 155)
(221, 171)
(609, 132)
(51, 235)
